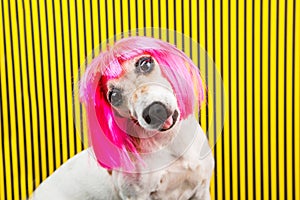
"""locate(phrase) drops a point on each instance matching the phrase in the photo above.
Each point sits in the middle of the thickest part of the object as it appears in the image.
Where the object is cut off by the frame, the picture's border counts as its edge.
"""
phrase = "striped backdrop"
(254, 45)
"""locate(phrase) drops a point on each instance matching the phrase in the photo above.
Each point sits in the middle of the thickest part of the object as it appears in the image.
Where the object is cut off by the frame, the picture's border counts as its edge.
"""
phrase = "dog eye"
(115, 97)
(144, 65)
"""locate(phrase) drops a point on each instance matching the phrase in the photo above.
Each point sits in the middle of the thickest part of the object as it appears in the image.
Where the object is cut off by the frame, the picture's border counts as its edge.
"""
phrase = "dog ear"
(108, 138)
(113, 148)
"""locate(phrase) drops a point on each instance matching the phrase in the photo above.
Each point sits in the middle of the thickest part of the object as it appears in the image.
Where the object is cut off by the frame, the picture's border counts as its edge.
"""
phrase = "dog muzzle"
(159, 117)
(156, 109)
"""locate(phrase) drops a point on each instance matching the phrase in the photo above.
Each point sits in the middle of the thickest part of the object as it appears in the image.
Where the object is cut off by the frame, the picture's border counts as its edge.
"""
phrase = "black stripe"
(79, 63)
(15, 102)
(84, 35)
(269, 96)
(106, 21)
(121, 19)
(129, 20)
(121, 16)
(92, 27)
(30, 93)
(253, 103)
(167, 19)
(198, 34)
(36, 94)
(206, 66)
(72, 77)
(23, 111)
(174, 21)
(57, 85)
(245, 100)
(159, 19)
(114, 19)
(144, 17)
(182, 24)
(293, 104)
(277, 121)
(284, 102)
(238, 102)
(230, 114)
(85, 65)
(44, 102)
(66, 117)
(214, 100)
(190, 28)
(222, 101)
(53, 149)
(198, 49)
(152, 18)
(261, 105)
(99, 24)
(2, 114)
(136, 17)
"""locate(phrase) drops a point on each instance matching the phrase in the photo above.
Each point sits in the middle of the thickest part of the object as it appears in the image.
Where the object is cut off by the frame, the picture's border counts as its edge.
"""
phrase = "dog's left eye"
(144, 65)
(115, 97)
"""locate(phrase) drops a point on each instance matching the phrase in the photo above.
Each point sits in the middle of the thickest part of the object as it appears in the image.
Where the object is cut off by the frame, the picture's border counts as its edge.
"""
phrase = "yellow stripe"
(297, 99)
(226, 87)
(265, 97)
(202, 58)
(7, 141)
(241, 96)
(280, 100)
(68, 68)
(288, 88)
(249, 100)
(272, 119)
(257, 105)
(218, 102)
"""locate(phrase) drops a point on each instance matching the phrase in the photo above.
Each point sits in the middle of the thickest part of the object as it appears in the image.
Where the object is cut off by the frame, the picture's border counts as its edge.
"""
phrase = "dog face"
(140, 84)
(143, 95)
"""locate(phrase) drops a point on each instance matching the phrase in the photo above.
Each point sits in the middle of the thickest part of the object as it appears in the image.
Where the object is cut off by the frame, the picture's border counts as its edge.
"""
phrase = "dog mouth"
(169, 122)
(165, 124)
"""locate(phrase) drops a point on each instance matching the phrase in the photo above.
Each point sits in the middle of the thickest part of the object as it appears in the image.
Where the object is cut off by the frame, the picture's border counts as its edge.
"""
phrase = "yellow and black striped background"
(254, 44)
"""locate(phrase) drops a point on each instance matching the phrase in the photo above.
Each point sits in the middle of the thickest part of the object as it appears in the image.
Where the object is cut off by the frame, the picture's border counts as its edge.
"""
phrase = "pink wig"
(114, 149)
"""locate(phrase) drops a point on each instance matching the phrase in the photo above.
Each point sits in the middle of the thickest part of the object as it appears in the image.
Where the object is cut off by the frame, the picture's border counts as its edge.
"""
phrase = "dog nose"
(155, 114)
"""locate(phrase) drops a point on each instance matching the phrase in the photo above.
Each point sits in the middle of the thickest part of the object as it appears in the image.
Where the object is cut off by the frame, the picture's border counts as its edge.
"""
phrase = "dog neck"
(165, 147)
(149, 141)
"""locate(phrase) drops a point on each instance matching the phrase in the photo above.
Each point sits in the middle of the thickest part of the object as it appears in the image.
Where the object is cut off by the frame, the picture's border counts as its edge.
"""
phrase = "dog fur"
(169, 161)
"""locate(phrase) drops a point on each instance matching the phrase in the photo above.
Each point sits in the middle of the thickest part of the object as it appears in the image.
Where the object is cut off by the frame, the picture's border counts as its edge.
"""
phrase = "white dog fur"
(181, 169)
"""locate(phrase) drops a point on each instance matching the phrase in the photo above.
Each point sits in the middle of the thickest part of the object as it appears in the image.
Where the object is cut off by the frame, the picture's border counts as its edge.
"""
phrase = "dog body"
(188, 177)
(141, 127)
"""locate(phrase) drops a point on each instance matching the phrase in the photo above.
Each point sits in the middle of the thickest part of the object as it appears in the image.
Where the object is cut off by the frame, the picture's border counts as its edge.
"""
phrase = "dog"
(145, 142)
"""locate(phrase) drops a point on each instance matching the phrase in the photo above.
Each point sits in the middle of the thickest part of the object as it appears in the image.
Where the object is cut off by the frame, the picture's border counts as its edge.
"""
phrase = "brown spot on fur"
(144, 89)
(135, 97)
(109, 172)
(136, 142)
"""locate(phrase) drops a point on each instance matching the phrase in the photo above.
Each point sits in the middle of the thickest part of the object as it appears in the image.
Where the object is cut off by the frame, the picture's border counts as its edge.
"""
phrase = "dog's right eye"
(144, 65)
(115, 97)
